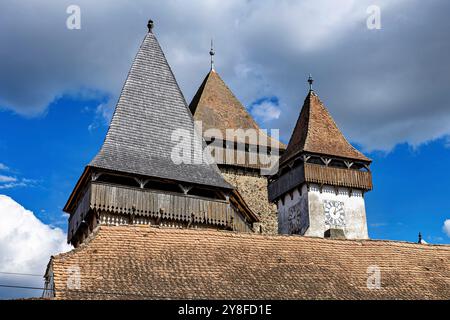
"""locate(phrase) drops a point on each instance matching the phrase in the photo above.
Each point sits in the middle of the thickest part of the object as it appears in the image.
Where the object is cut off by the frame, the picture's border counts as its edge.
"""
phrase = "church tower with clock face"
(320, 185)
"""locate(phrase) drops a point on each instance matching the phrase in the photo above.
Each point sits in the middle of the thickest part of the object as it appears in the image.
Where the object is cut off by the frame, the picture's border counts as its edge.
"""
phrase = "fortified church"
(261, 221)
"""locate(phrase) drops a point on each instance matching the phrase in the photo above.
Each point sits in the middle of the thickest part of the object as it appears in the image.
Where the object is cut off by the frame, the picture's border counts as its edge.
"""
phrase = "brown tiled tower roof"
(316, 132)
(218, 108)
(136, 262)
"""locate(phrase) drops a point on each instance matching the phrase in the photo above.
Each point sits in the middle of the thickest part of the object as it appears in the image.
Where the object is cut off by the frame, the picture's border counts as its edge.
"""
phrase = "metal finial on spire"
(310, 81)
(421, 241)
(212, 53)
(150, 25)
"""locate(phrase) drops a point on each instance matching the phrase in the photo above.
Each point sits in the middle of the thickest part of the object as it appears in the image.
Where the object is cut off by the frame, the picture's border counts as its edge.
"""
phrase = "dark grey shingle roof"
(150, 108)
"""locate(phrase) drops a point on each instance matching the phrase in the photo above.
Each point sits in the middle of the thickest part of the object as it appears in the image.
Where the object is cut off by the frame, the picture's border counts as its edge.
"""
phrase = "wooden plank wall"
(320, 174)
(338, 177)
(122, 200)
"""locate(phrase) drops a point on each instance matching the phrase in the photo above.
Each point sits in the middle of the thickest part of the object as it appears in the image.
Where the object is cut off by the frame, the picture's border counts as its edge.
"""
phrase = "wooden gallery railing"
(349, 178)
(122, 200)
(319, 174)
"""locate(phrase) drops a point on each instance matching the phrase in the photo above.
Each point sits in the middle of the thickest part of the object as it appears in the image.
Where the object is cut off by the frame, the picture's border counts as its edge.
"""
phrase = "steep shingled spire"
(150, 109)
(316, 132)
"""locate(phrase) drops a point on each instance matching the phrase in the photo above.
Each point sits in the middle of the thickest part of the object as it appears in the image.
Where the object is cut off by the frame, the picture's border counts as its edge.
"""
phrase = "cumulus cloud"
(3, 167)
(265, 110)
(12, 185)
(446, 227)
(26, 245)
(10, 182)
(380, 85)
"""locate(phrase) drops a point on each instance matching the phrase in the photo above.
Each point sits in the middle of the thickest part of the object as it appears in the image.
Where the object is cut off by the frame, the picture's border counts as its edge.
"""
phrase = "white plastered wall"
(303, 212)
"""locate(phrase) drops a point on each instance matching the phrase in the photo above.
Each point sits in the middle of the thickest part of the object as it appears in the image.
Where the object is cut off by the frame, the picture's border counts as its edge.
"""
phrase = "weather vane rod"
(212, 53)
(310, 81)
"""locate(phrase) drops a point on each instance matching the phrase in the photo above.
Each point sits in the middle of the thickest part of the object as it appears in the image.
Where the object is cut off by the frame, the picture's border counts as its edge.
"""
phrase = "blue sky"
(50, 151)
(410, 193)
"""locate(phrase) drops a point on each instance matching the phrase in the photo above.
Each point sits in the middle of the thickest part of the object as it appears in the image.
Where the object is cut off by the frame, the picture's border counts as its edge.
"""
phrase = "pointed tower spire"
(212, 53)
(218, 108)
(138, 169)
(133, 144)
(317, 133)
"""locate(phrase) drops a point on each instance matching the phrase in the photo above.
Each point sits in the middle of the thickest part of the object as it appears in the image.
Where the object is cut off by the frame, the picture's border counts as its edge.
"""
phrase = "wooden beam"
(349, 164)
(326, 161)
(95, 176)
(141, 182)
(184, 188)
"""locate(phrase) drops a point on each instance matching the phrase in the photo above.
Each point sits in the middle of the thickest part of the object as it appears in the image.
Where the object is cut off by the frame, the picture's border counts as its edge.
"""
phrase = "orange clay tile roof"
(136, 262)
(218, 108)
(316, 132)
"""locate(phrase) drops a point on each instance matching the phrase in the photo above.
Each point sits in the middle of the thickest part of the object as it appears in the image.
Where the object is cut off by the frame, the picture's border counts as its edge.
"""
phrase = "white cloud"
(103, 115)
(446, 227)
(9, 182)
(265, 111)
(7, 179)
(378, 224)
(12, 185)
(26, 244)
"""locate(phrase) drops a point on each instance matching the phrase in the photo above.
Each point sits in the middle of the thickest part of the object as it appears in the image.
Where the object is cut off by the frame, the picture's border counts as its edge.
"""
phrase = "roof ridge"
(289, 153)
(309, 117)
(262, 237)
(198, 93)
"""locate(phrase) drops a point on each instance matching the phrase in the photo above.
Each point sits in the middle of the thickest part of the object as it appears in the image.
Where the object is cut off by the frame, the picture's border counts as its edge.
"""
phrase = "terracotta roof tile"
(132, 262)
(218, 108)
(316, 132)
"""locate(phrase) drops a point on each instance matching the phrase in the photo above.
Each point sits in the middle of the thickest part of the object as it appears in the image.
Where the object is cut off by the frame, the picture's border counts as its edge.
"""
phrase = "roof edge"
(246, 234)
(76, 189)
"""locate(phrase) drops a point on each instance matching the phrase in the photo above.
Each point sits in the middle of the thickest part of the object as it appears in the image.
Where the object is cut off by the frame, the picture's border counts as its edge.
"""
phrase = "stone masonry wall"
(253, 189)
